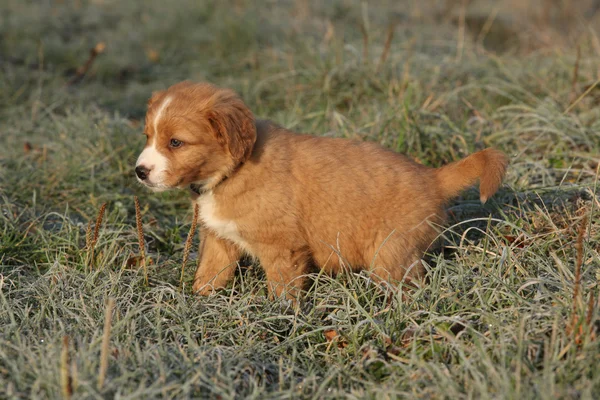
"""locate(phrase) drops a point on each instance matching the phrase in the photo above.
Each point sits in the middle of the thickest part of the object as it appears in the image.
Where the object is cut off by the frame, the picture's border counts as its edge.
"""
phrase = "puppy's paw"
(203, 289)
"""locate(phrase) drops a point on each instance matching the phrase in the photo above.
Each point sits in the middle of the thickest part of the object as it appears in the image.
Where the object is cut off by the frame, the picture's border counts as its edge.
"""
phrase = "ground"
(506, 314)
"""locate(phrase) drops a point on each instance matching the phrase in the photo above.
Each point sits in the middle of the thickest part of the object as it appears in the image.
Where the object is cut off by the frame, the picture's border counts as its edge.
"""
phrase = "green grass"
(493, 321)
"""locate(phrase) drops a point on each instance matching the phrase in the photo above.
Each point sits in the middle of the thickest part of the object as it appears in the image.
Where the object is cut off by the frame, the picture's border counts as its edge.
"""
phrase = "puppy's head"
(196, 134)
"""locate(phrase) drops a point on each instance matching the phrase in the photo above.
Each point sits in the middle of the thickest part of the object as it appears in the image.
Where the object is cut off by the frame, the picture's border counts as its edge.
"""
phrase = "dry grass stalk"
(406, 70)
(91, 239)
(365, 35)
(188, 243)
(44, 156)
(140, 232)
(99, 219)
(66, 383)
(105, 342)
(460, 45)
(582, 96)
(487, 26)
(88, 236)
(329, 33)
(573, 94)
(590, 314)
(573, 325)
(81, 71)
(579, 261)
(364, 29)
(590, 309)
(386, 47)
(74, 375)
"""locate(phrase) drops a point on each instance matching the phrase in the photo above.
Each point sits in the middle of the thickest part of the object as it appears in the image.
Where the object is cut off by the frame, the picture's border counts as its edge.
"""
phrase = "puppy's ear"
(233, 124)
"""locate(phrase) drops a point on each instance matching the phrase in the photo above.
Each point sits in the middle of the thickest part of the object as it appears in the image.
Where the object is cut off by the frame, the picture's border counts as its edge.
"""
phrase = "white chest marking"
(225, 228)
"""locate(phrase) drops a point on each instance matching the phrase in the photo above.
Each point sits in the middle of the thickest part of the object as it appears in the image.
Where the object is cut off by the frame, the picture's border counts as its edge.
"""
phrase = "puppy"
(297, 202)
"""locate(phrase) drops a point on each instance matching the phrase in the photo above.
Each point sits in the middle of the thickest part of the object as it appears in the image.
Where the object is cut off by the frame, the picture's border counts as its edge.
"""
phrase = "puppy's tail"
(488, 166)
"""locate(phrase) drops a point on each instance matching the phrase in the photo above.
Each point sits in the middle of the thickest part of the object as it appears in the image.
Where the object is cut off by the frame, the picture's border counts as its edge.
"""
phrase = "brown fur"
(297, 201)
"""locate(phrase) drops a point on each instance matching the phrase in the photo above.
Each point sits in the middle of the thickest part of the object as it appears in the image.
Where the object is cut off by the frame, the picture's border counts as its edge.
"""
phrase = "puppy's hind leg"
(397, 271)
(412, 272)
(218, 260)
(286, 272)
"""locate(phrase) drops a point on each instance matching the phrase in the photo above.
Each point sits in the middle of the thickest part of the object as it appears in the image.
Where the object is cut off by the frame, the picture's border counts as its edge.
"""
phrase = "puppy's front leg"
(286, 273)
(218, 260)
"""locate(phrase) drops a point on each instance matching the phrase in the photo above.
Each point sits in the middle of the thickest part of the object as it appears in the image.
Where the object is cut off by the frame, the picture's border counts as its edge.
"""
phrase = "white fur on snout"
(156, 163)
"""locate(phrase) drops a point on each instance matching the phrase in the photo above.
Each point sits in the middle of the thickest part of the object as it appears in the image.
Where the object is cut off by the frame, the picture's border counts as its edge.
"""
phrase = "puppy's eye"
(175, 143)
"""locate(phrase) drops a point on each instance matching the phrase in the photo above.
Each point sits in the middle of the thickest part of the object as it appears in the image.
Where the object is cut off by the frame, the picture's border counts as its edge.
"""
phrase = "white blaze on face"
(152, 159)
(159, 113)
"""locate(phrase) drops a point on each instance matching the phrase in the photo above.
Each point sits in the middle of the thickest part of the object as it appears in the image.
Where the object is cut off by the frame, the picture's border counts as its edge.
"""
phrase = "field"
(511, 309)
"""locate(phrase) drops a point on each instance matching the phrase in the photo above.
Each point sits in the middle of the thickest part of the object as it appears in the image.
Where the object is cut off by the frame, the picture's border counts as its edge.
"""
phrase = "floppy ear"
(233, 124)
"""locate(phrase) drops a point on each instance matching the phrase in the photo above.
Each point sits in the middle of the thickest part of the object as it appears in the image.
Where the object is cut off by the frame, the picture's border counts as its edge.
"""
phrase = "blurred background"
(148, 44)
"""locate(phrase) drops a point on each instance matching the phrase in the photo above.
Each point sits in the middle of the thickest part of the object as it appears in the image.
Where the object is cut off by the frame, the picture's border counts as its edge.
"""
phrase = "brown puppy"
(297, 201)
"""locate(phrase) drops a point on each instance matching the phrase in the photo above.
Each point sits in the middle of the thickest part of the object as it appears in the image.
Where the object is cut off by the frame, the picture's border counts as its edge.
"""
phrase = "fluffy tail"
(488, 166)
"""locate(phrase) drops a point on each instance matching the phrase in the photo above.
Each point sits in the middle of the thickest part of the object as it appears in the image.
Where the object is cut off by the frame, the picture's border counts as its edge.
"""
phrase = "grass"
(510, 312)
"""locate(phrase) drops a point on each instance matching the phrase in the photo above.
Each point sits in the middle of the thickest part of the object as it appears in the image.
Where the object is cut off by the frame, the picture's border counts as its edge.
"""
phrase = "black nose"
(141, 172)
